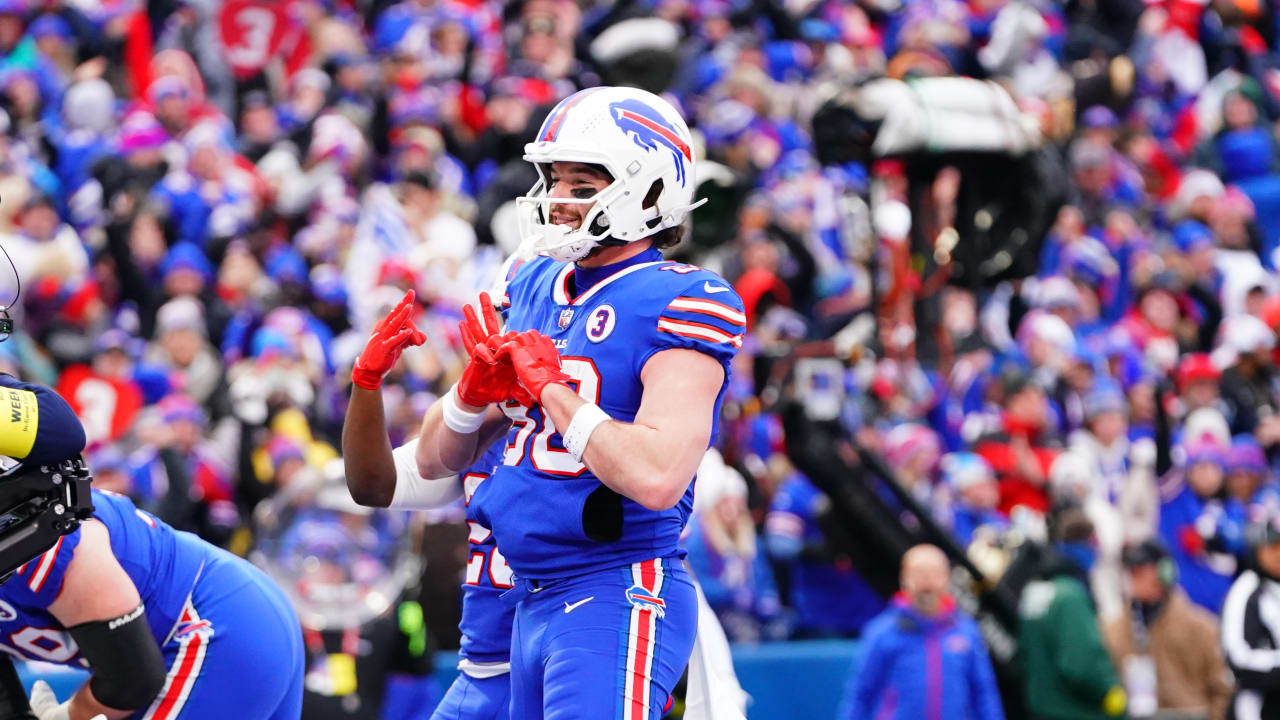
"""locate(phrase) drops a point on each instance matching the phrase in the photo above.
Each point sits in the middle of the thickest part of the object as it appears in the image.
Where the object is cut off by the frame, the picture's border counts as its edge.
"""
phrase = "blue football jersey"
(552, 517)
(486, 619)
(163, 564)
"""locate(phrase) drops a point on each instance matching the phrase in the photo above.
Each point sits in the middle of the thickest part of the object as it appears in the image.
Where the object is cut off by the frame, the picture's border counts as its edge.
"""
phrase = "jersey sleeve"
(414, 492)
(512, 279)
(38, 582)
(36, 425)
(706, 315)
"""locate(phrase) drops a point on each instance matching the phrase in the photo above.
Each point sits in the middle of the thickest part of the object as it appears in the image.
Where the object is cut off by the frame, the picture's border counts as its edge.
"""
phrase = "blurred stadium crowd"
(209, 203)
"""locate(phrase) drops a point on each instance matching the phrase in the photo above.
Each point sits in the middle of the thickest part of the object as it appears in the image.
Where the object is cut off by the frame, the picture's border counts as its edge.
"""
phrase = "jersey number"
(255, 26)
(500, 573)
(45, 644)
(545, 458)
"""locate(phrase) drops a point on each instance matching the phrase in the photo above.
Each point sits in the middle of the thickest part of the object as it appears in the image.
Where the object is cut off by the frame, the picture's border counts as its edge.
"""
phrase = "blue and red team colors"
(482, 691)
(217, 619)
(608, 614)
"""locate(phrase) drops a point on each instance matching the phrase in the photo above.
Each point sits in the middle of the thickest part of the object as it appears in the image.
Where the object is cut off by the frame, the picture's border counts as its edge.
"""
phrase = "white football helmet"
(640, 139)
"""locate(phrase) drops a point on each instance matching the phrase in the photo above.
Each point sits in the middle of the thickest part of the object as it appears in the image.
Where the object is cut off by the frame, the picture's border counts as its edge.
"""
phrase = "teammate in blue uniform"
(169, 625)
(606, 387)
(381, 477)
(40, 439)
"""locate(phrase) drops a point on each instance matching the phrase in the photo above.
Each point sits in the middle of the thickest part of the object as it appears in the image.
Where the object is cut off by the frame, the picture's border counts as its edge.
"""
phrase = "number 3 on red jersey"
(556, 461)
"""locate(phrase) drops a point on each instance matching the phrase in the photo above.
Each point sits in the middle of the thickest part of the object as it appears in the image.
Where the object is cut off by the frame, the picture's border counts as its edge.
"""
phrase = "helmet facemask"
(613, 216)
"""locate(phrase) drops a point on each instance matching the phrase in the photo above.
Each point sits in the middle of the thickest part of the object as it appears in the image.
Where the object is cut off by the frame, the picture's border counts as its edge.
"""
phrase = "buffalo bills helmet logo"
(645, 600)
(649, 129)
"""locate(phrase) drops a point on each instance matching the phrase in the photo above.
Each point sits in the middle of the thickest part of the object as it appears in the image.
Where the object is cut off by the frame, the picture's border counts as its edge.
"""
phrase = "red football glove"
(487, 378)
(536, 362)
(390, 337)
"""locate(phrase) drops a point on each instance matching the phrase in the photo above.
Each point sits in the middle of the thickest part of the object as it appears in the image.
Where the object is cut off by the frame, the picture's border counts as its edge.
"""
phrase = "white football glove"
(46, 706)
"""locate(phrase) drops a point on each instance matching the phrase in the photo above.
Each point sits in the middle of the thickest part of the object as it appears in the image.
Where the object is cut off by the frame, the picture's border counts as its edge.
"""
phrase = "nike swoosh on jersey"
(570, 608)
(708, 287)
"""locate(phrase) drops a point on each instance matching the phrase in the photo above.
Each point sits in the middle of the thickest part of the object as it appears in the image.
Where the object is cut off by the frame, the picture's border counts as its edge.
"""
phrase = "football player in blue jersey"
(381, 477)
(44, 491)
(607, 386)
(168, 625)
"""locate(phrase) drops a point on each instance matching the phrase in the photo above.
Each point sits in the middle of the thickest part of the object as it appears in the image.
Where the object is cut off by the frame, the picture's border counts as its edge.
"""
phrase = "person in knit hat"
(724, 555)
(1248, 478)
(1201, 525)
(975, 494)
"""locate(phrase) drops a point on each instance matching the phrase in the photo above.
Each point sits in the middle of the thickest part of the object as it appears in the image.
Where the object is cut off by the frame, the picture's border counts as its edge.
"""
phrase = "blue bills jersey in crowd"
(828, 598)
(552, 517)
(486, 619)
(216, 618)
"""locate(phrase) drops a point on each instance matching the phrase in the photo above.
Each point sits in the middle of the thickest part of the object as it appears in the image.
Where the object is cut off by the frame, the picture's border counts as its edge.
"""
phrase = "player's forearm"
(366, 450)
(634, 460)
(443, 451)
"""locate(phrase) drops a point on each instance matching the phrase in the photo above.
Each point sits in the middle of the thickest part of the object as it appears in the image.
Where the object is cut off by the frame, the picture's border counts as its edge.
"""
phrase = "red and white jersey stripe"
(640, 644)
(710, 307)
(43, 565)
(698, 331)
(193, 635)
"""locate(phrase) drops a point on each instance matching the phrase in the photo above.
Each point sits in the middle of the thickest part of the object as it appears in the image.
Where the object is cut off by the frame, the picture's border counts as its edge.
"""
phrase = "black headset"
(1152, 552)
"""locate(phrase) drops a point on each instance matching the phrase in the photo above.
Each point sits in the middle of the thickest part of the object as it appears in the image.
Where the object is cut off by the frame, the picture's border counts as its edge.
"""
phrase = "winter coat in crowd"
(1203, 535)
(1068, 674)
(1115, 485)
(1181, 638)
(914, 667)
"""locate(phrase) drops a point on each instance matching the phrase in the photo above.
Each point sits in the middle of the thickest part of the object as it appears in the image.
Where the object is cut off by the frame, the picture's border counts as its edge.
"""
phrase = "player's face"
(573, 180)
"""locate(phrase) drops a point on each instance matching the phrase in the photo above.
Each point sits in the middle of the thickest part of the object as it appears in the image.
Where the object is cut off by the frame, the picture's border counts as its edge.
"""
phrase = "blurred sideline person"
(726, 559)
(352, 577)
(923, 659)
(1067, 672)
(1165, 646)
(1250, 626)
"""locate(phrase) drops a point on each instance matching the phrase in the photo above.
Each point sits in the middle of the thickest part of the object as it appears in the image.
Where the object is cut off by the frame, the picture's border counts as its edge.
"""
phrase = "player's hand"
(536, 362)
(390, 337)
(45, 704)
(488, 377)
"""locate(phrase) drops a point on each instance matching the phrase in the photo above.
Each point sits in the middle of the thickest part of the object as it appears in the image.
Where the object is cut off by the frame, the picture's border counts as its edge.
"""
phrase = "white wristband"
(463, 422)
(585, 421)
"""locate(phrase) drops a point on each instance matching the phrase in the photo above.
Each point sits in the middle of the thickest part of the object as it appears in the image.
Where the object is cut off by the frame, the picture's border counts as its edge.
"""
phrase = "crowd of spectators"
(208, 204)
